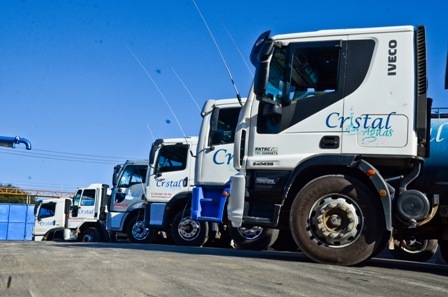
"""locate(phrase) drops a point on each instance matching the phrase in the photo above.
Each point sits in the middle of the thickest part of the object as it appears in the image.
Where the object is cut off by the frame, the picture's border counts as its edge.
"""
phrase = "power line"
(34, 185)
(63, 156)
(7, 191)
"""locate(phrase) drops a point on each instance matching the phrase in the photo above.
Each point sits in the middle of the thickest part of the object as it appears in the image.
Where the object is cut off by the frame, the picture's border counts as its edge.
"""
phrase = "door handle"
(329, 142)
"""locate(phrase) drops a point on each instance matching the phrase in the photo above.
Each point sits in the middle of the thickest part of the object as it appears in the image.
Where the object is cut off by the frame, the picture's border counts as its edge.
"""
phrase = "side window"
(77, 198)
(88, 197)
(133, 174)
(227, 121)
(303, 77)
(47, 210)
(314, 72)
(172, 158)
(125, 178)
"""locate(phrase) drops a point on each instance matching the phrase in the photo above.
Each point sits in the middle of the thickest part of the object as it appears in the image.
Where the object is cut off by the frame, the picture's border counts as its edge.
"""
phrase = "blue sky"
(71, 86)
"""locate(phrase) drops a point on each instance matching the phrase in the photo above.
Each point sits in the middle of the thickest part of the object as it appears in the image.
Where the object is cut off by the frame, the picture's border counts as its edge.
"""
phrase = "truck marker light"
(370, 172)
(382, 193)
(224, 193)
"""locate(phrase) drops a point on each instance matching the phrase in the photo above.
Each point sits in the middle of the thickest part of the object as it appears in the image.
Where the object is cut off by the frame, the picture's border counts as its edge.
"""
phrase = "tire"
(337, 220)
(188, 232)
(91, 234)
(285, 242)
(444, 250)
(137, 233)
(253, 238)
(414, 250)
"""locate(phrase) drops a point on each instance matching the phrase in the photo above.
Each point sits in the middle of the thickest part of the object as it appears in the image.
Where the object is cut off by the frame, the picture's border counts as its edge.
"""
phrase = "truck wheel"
(186, 231)
(414, 250)
(91, 234)
(137, 233)
(444, 250)
(336, 219)
(253, 238)
(285, 242)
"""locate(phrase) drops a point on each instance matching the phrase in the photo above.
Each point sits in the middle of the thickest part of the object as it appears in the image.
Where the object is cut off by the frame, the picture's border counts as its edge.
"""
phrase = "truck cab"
(50, 214)
(168, 193)
(80, 218)
(125, 215)
(213, 169)
(328, 111)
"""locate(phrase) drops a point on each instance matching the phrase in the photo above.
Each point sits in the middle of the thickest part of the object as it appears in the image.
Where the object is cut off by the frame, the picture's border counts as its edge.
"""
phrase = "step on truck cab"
(333, 134)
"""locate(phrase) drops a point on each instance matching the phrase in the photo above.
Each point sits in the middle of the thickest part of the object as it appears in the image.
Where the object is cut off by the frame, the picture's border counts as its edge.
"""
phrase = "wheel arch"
(177, 203)
(55, 233)
(135, 212)
(97, 225)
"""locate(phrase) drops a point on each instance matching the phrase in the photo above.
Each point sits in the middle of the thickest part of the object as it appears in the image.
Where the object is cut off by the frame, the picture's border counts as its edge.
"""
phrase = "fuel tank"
(436, 165)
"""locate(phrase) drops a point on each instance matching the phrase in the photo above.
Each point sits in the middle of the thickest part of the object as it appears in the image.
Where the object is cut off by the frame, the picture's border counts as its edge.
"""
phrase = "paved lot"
(107, 269)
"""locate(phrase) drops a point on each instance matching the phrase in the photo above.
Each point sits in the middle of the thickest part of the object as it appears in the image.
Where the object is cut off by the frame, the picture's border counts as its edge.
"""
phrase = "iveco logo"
(263, 164)
(392, 60)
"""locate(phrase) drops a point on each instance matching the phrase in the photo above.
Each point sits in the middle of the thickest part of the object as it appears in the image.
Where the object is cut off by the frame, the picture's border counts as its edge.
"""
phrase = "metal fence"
(16, 221)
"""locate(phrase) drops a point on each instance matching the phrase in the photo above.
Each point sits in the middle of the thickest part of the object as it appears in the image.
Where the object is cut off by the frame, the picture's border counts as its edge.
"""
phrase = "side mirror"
(68, 204)
(254, 54)
(262, 70)
(36, 206)
(75, 211)
(213, 126)
(154, 148)
(115, 175)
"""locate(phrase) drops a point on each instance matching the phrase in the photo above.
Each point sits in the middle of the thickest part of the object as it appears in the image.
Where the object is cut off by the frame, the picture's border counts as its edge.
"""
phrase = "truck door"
(215, 162)
(49, 215)
(130, 188)
(301, 110)
(172, 173)
(84, 207)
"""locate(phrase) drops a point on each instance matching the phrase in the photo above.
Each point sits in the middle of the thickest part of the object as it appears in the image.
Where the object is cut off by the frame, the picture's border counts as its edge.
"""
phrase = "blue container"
(16, 221)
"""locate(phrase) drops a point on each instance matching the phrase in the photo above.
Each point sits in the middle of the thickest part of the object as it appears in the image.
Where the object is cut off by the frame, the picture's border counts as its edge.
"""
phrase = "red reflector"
(370, 172)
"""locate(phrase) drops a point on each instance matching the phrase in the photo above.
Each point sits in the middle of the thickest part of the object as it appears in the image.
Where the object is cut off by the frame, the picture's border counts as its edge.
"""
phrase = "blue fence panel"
(16, 221)
(4, 219)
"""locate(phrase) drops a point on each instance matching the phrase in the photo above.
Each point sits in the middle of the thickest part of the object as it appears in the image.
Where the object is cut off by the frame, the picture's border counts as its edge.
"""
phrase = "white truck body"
(128, 194)
(332, 108)
(49, 214)
(73, 217)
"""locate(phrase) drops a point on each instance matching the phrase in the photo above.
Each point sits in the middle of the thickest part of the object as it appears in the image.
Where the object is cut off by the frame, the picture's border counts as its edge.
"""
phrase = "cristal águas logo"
(371, 127)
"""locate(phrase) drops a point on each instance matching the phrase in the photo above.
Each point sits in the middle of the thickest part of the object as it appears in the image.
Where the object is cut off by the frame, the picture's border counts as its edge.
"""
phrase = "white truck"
(332, 140)
(168, 193)
(82, 217)
(125, 212)
(187, 179)
(213, 169)
(50, 214)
